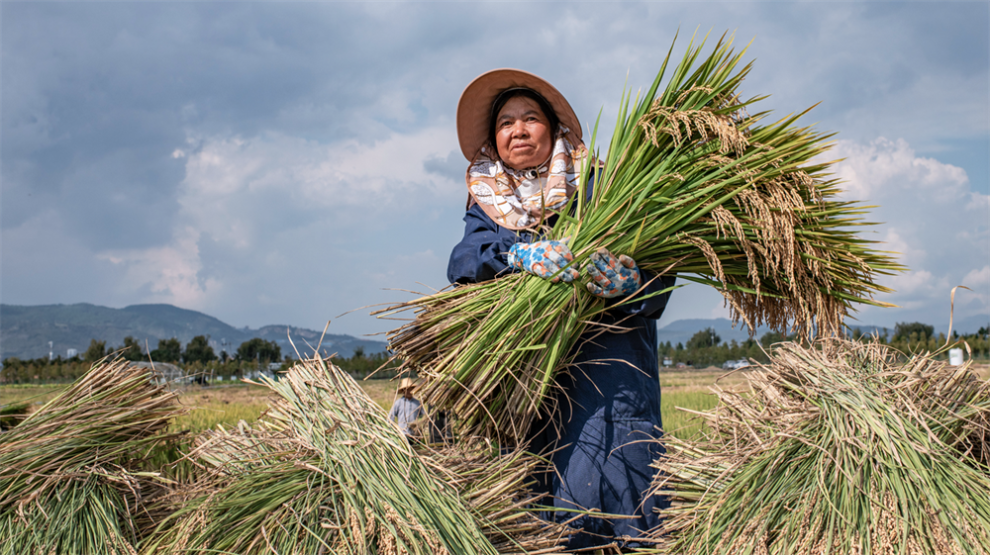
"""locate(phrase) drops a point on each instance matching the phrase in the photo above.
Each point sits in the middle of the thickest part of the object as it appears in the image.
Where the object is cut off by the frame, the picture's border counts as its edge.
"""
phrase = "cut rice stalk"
(325, 471)
(71, 478)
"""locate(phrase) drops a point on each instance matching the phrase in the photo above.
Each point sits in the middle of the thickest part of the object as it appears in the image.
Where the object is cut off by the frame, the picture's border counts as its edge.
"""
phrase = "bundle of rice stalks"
(495, 489)
(11, 415)
(327, 472)
(71, 478)
(692, 185)
(841, 448)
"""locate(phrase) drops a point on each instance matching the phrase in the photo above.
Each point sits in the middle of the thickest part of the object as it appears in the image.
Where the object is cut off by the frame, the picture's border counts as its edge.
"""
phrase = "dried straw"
(841, 447)
(325, 471)
(71, 478)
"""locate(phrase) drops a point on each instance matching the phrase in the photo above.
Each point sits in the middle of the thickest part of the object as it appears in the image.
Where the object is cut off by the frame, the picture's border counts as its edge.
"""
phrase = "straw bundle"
(837, 448)
(692, 185)
(70, 473)
(495, 489)
(327, 472)
(11, 415)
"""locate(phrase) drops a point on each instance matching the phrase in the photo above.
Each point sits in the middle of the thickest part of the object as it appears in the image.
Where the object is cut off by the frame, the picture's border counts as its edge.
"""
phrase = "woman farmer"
(523, 142)
(406, 409)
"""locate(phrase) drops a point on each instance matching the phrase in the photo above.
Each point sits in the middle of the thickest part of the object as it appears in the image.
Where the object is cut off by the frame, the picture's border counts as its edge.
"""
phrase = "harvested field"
(74, 474)
(324, 471)
(228, 404)
(209, 405)
(220, 408)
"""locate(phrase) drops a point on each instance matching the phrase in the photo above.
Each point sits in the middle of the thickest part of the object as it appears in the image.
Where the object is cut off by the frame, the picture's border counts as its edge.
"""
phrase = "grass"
(225, 405)
(681, 424)
(34, 394)
(690, 390)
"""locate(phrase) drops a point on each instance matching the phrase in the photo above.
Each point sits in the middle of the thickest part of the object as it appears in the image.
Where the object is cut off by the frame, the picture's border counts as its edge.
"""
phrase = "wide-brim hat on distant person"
(474, 110)
(405, 384)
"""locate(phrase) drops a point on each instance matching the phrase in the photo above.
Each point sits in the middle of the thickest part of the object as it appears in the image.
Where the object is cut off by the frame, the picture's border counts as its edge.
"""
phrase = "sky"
(294, 163)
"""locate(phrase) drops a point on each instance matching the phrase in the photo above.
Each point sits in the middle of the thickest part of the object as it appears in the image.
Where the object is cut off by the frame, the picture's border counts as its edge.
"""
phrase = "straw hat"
(475, 107)
(405, 384)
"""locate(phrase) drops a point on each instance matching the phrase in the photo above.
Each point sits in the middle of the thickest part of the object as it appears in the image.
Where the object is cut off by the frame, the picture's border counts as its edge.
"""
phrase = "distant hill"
(26, 330)
(680, 331)
(306, 340)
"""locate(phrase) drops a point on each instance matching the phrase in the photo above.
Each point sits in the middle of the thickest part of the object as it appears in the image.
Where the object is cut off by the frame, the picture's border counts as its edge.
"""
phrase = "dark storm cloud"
(97, 97)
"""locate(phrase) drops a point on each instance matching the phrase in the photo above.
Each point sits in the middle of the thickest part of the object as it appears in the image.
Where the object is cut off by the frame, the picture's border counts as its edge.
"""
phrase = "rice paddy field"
(278, 434)
(228, 404)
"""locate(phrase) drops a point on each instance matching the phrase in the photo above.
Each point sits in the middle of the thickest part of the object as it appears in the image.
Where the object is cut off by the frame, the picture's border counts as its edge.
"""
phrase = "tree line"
(705, 348)
(198, 358)
(197, 350)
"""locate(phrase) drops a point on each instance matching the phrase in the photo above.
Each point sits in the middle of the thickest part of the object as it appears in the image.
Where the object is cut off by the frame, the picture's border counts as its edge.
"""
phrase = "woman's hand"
(612, 277)
(544, 259)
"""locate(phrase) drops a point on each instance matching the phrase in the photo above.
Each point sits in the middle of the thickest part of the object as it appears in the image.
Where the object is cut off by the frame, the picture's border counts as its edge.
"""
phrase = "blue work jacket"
(609, 402)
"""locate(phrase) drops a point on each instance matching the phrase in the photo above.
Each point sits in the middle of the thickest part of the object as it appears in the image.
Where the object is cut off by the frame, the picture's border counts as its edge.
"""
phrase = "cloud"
(871, 170)
(452, 167)
(978, 280)
(252, 209)
(170, 274)
(931, 216)
(280, 161)
(237, 188)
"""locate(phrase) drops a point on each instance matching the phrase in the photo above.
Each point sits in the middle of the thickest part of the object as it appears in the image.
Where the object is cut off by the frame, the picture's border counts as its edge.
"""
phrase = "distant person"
(406, 410)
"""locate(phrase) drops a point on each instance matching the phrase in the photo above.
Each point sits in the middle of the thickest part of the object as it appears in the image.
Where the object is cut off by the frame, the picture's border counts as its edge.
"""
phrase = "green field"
(691, 390)
(228, 404)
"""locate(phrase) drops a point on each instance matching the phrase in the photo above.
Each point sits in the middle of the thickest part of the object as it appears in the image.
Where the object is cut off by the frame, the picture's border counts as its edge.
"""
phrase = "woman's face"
(522, 134)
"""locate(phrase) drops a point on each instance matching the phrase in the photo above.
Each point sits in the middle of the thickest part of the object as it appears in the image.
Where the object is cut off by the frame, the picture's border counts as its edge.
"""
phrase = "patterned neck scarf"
(519, 199)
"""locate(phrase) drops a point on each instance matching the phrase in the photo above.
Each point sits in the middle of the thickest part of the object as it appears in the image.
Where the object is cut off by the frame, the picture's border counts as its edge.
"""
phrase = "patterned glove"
(544, 259)
(612, 277)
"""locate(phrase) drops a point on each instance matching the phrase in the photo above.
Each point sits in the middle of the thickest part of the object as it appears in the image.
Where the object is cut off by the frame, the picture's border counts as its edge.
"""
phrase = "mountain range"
(26, 330)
